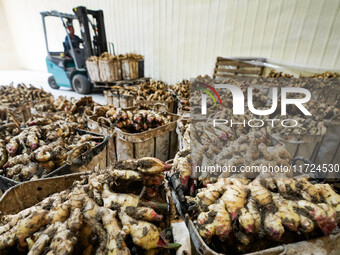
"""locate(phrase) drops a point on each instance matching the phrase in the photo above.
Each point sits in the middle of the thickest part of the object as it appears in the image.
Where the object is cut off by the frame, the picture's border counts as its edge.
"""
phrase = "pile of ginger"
(120, 210)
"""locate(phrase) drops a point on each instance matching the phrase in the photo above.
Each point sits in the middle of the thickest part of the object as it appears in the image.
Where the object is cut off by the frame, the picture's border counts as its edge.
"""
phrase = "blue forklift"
(68, 68)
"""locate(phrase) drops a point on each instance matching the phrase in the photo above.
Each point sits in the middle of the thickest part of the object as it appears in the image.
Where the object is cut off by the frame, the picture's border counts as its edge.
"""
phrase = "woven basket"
(93, 70)
(130, 68)
(110, 70)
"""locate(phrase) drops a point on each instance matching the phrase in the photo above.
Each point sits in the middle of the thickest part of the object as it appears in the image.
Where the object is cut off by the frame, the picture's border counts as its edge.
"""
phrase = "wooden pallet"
(231, 67)
(108, 85)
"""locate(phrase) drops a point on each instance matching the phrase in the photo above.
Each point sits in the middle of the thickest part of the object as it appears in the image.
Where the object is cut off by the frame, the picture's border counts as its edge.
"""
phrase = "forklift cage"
(91, 48)
(61, 16)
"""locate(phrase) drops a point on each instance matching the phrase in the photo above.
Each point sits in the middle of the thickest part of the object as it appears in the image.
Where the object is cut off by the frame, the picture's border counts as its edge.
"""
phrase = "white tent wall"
(8, 59)
(182, 38)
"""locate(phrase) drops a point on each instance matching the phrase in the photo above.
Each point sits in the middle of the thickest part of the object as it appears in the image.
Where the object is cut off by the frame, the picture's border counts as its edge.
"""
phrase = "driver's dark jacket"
(75, 42)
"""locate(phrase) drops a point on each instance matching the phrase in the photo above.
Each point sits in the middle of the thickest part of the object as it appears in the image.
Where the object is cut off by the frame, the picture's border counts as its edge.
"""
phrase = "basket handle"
(106, 120)
(282, 141)
(69, 158)
(300, 158)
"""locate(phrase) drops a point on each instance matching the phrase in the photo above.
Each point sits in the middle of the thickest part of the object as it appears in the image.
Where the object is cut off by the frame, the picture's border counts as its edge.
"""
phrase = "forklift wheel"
(52, 83)
(81, 84)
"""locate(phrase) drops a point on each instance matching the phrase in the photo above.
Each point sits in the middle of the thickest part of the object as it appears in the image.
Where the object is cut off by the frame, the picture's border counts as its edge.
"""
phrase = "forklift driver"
(75, 40)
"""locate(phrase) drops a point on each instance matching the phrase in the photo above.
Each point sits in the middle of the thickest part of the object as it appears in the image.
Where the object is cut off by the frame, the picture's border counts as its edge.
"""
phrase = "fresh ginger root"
(331, 198)
(253, 210)
(29, 225)
(66, 235)
(59, 214)
(269, 183)
(234, 198)
(331, 216)
(96, 181)
(153, 180)
(273, 226)
(143, 213)
(233, 191)
(72, 219)
(260, 194)
(115, 242)
(144, 234)
(210, 194)
(306, 224)
(221, 224)
(316, 213)
(45, 237)
(112, 199)
(246, 220)
(182, 165)
(8, 239)
(290, 219)
(151, 165)
(125, 175)
(216, 216)
(147, 165)
(91, 214)
(9, 221)
(284, 185)
(303, 184)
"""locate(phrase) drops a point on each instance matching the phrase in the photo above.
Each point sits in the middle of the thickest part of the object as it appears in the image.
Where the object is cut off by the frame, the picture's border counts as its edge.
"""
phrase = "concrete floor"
(39, 79)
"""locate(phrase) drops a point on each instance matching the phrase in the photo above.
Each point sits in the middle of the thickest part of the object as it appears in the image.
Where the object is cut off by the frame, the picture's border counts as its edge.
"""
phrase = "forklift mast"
(99, 40)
